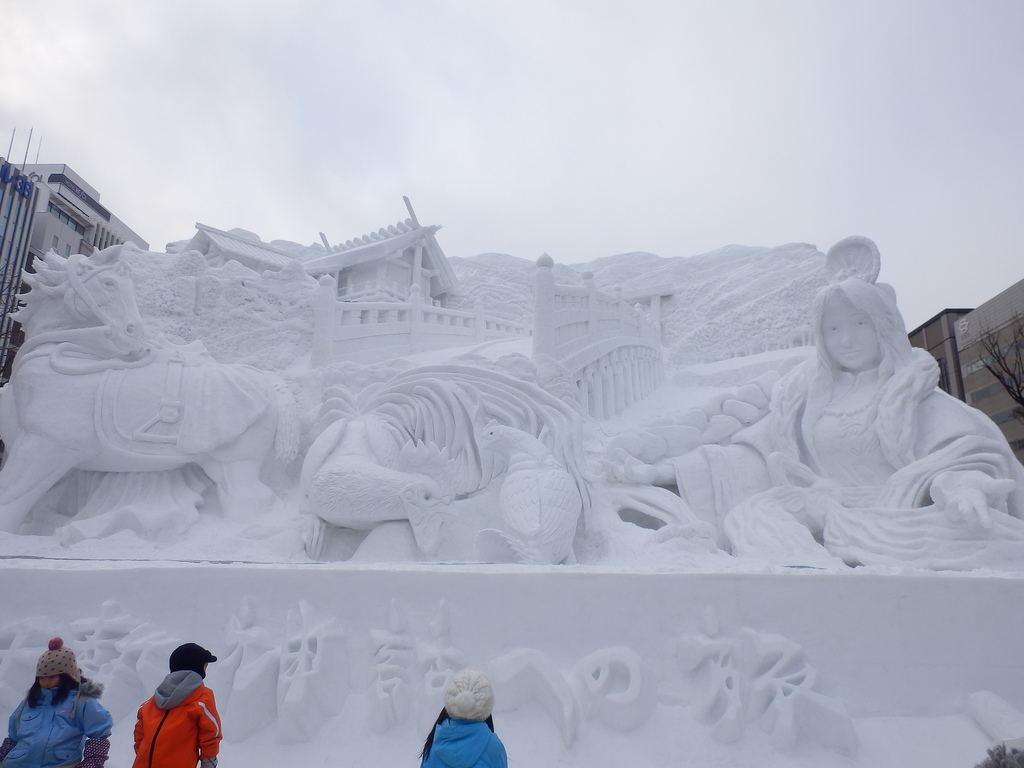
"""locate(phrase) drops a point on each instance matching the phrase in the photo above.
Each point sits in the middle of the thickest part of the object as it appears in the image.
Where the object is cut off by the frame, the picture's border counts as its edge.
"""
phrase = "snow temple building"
(379, 266)
(385, 265)
(390, 290)
(219, 247)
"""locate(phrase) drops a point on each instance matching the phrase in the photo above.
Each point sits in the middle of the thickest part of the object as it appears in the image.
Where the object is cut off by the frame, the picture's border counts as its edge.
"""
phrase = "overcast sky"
(582, 128)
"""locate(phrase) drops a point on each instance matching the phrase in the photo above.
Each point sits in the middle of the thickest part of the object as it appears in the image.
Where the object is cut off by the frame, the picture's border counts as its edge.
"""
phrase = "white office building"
(69, 218)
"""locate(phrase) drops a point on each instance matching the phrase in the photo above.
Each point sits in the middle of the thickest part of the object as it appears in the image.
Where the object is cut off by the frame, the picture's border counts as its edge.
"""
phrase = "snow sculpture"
(391, 693)
(439, 660)
(408, 451)
(130, 656)
(366, 478)
(152, 504)
(524, 675)
(314, 682)
(89, 391)
(246, 675)
(19, 650)
(764, 678)
(868, 456)
(539, 502)
(1003, 722)
(615, 686)
(403, 661)
(861, 459)
(612, 686)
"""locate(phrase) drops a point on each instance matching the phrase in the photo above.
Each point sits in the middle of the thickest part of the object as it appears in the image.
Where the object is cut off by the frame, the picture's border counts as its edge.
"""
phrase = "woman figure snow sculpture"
(861, 459)
(870, 462)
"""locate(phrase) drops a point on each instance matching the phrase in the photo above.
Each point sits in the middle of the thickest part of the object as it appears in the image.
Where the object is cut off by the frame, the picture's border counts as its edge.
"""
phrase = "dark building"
(953, 337)
(938, 336)
(18, 192)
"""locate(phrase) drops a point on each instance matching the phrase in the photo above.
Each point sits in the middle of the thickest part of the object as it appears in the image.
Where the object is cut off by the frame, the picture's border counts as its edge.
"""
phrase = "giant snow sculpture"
(90, 392)
(852, 457)
(861, 459)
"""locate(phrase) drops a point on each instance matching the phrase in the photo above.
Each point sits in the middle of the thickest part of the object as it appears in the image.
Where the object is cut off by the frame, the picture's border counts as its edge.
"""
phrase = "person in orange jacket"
(179, 725)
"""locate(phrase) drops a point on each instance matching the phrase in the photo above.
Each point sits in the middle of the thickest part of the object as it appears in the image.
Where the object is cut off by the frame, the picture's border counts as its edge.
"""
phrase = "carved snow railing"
(373, 331)
(612, 349)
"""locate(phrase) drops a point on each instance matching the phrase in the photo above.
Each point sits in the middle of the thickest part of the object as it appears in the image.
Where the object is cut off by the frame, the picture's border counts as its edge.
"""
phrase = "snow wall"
(315, 650)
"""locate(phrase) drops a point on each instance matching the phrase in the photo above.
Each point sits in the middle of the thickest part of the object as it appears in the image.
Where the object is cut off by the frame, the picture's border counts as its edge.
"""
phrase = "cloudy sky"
(582, 128)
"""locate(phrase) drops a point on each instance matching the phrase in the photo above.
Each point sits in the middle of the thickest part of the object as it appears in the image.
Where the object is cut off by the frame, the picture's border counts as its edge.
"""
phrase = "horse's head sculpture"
(84, 292)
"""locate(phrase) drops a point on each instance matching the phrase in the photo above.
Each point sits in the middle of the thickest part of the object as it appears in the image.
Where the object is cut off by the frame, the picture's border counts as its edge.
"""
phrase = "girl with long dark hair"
(463, 735)
(60, 722)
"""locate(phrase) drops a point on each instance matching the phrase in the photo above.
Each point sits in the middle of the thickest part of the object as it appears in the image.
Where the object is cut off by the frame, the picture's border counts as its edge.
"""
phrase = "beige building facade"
(954, 338)
(1000, 315)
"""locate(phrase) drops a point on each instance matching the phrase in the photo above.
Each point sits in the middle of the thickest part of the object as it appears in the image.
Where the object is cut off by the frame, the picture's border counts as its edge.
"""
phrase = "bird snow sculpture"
(539, 502)
(361, 479)
(427, 506)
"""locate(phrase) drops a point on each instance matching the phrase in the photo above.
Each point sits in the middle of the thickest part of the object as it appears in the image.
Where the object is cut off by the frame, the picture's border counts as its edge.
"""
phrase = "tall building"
(938, 336)
(76, 222)
(17, 209)
(1000, 316)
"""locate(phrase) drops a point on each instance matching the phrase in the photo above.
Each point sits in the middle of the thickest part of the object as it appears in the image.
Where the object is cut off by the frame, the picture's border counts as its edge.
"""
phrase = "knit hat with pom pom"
(58, 660)
(469, 696)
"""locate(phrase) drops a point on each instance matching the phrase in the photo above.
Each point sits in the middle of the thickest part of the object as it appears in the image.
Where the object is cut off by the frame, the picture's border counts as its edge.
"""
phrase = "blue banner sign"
(22, 185)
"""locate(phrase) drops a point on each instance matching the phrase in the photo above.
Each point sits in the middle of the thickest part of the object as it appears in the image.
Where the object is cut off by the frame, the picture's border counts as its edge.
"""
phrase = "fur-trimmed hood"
(90, 689)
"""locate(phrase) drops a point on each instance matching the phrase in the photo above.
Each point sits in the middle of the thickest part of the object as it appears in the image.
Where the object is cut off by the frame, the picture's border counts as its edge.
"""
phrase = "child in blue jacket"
(61, 722)
(463, 736)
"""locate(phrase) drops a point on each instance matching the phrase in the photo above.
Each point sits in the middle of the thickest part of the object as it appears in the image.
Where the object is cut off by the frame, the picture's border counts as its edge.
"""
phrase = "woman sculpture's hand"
(970, 496)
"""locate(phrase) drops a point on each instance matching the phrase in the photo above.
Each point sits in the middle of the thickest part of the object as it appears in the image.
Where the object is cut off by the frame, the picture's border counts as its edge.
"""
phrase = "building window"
(943, 376)
(55, 243)
(1002, 418)
(67, 250)
(65, 219)
(984, 392)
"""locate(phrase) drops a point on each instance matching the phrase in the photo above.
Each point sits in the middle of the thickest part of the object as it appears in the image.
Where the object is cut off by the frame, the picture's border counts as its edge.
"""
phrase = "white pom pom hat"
(469, 696)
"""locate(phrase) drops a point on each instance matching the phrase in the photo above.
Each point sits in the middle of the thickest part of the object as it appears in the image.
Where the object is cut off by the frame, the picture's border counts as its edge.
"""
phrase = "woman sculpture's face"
(850, 337)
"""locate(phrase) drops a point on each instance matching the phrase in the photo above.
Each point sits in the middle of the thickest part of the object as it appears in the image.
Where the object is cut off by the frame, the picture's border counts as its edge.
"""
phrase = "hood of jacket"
(87, 689)
(460, 743)
(176, 687)
(90, 689)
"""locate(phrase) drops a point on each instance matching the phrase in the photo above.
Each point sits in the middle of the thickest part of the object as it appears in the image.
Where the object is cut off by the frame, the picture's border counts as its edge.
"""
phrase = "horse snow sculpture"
(88, 392)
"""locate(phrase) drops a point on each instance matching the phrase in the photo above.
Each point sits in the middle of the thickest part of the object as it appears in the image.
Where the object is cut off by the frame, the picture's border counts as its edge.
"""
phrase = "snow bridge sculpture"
(612, 350)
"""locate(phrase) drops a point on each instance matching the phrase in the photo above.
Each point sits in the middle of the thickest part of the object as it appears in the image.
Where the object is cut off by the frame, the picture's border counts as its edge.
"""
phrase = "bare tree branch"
(1006, 361)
